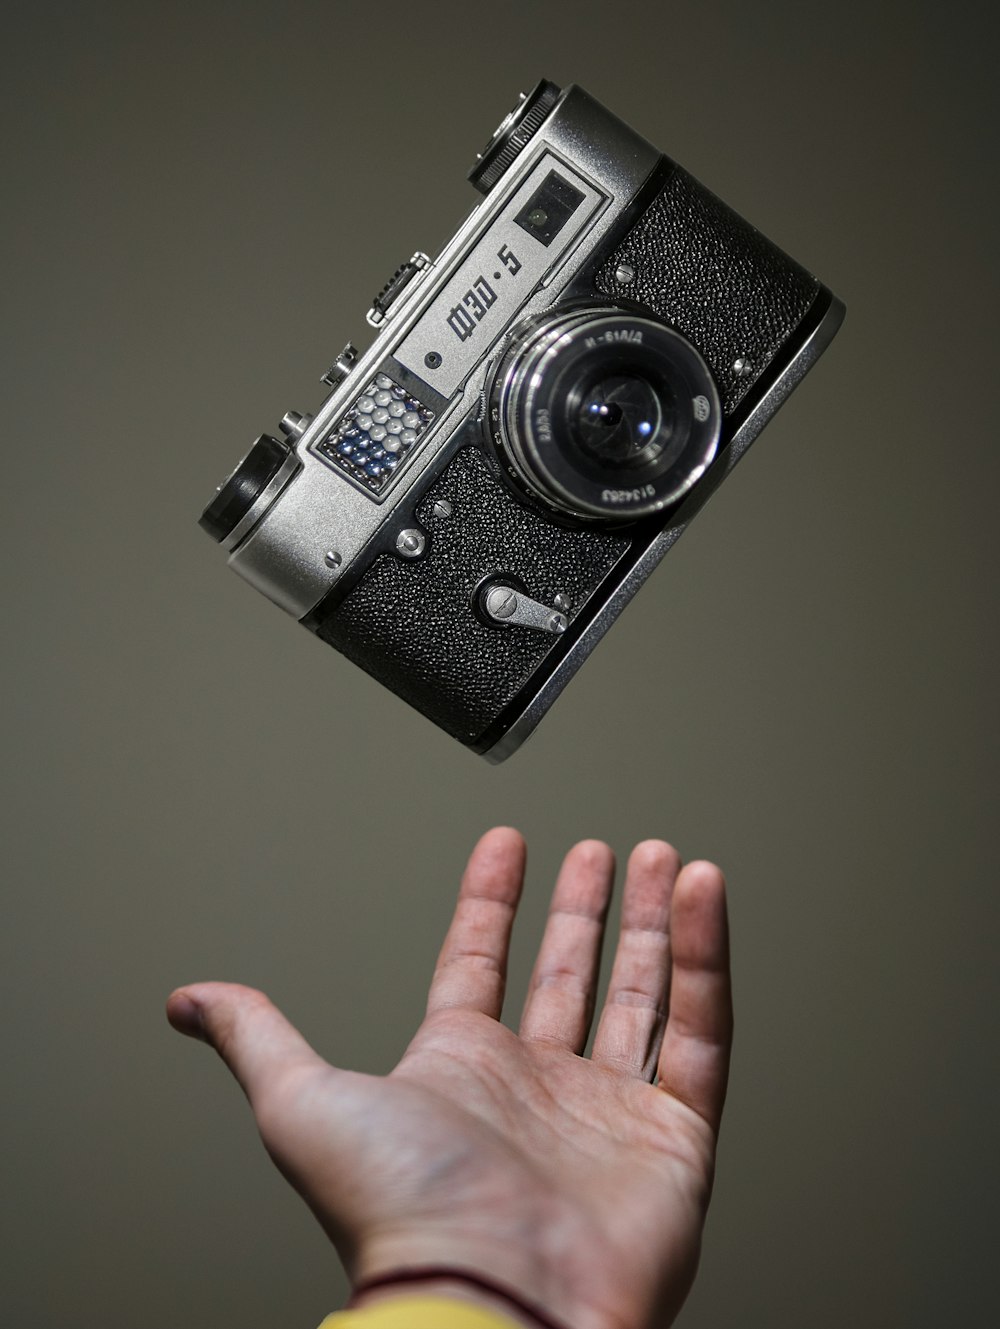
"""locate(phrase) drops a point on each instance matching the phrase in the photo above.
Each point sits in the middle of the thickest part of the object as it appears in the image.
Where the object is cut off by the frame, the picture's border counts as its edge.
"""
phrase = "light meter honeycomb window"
(375, 435)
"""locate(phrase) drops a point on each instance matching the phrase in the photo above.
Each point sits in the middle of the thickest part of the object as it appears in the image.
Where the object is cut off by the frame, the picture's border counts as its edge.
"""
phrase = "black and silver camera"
(544, 408)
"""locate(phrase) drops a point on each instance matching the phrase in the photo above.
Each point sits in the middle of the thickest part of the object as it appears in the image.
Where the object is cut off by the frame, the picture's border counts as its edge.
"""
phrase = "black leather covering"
(711, 275)
(412, 626)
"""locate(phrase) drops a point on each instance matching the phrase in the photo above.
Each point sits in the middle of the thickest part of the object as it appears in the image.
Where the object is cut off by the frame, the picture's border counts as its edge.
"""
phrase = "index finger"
(472, 967)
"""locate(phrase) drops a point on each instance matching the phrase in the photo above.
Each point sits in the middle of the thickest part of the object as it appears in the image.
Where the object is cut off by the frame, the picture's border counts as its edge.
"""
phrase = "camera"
(544, 407)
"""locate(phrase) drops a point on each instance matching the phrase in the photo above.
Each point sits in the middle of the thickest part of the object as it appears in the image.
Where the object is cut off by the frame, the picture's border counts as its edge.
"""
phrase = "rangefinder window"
(549, 208)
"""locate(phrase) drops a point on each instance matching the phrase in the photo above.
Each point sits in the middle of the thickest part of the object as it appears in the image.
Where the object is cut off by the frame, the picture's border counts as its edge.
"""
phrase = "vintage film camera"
(544, 408)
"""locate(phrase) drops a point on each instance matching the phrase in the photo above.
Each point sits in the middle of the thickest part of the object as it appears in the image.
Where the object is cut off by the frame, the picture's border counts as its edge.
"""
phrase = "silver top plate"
(293, 550)
(499, 274)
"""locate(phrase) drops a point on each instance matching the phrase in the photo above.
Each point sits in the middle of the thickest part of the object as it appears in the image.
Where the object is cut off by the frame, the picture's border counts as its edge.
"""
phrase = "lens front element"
(605, 413)
(619, 420)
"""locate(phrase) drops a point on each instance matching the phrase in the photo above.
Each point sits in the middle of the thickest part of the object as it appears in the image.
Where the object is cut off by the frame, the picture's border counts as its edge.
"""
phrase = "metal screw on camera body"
(411, 543)
(442, 508)
(742, 366)
(333, 559)
(624, 274)
(501, 602)
(562, 601)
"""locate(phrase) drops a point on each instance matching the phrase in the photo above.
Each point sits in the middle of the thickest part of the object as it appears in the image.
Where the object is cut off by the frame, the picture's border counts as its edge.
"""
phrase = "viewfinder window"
(549, 208)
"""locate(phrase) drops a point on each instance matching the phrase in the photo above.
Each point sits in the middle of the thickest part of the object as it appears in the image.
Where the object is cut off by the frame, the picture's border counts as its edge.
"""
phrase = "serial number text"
(627, 495)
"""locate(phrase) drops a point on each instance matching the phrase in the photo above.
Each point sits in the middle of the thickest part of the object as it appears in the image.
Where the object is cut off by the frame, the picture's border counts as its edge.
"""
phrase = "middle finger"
(560, 1001)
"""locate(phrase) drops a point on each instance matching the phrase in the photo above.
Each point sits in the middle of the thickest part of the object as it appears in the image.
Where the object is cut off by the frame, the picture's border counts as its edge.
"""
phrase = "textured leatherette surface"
(412, 625)
(703, 269)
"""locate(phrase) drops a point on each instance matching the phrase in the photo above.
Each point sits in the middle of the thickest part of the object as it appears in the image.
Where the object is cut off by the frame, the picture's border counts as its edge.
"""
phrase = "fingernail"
(185, 1016)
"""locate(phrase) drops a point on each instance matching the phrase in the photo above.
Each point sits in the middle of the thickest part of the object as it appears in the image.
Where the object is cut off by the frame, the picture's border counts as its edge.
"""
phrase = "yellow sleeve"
(418, 1312)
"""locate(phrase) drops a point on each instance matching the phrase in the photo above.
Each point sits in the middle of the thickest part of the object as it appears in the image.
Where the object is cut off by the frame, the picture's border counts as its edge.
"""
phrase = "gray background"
(200, 202)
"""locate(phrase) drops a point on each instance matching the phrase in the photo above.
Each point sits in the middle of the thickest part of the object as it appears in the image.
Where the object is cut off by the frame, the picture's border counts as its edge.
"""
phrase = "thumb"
(250, 1034)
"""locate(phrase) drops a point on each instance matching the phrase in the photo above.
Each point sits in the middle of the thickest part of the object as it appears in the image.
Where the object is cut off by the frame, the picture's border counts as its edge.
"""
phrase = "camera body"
(544, 408)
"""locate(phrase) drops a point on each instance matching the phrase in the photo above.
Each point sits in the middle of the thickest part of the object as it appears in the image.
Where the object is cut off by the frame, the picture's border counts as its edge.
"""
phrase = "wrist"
(542, 1270)
(510, 1276)
(452, 1287)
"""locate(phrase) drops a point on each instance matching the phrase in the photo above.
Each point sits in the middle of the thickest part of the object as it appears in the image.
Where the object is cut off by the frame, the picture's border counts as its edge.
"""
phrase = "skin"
(581, 1182)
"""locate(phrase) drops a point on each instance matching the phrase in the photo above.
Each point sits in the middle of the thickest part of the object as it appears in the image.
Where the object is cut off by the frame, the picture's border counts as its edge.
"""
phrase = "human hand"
(581, 1182)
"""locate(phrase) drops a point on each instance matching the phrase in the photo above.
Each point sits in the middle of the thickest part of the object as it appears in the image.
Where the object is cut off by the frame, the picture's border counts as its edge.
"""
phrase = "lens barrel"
(605, 413)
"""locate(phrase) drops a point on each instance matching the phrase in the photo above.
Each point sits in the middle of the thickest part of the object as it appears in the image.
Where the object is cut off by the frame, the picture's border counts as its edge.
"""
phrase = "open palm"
(580, 1182)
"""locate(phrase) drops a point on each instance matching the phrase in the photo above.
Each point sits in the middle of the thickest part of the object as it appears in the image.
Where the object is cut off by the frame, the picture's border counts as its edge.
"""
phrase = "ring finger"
(635, 1010)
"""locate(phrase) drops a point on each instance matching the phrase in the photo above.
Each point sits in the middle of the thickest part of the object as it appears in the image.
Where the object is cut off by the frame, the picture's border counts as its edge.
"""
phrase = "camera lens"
(605, 413)
(619, 420)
